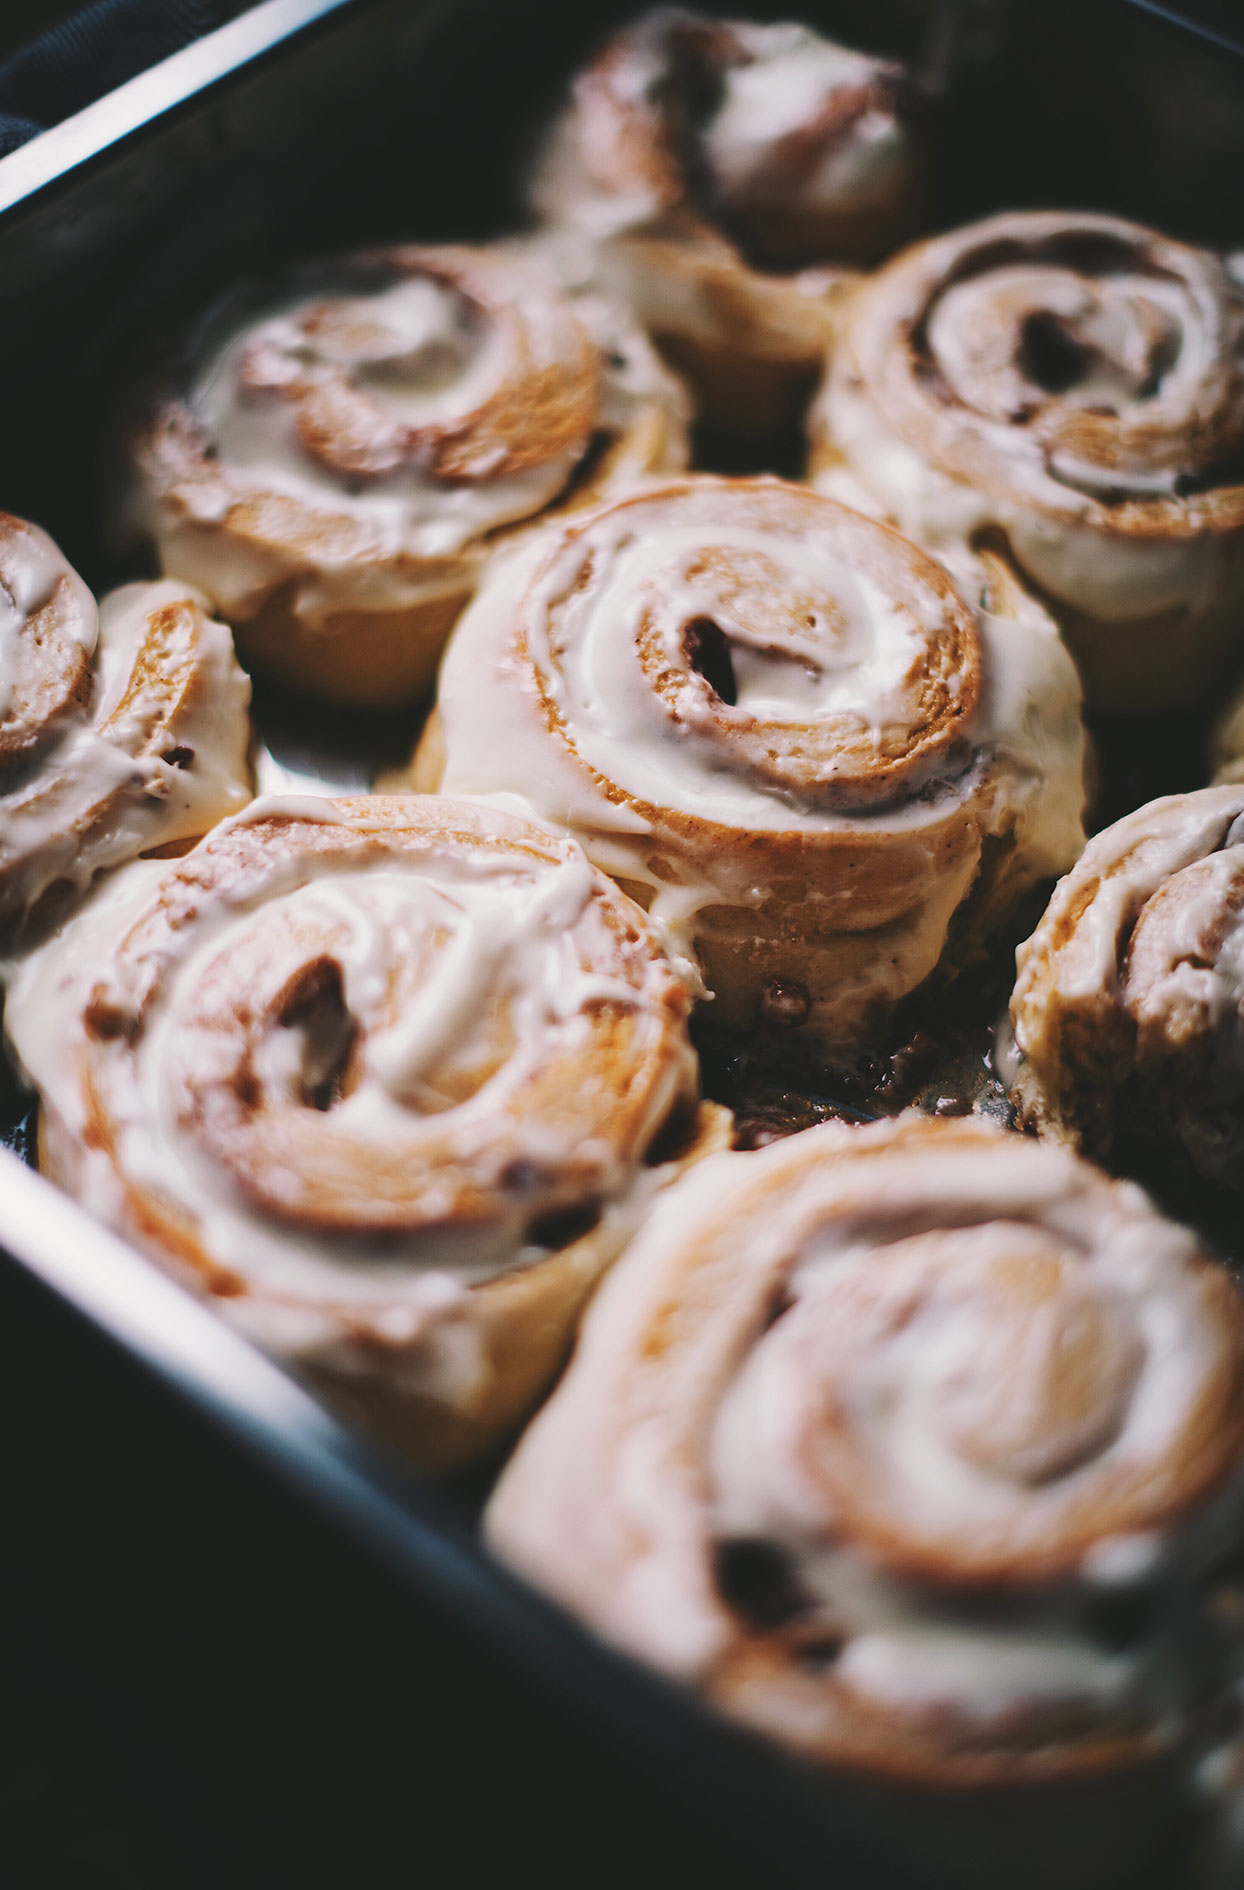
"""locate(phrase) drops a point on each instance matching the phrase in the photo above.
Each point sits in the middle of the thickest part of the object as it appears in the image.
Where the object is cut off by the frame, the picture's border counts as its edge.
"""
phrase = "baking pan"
(295, 1659)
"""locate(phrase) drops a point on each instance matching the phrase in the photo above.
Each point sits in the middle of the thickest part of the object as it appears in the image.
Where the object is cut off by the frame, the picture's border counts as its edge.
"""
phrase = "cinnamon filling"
(314, 1006)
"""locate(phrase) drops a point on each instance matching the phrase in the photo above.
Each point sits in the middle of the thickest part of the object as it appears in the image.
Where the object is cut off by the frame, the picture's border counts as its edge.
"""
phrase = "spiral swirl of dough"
(714, 168)
(1127, 1010)
(778, 723)
(122, 728)
(1076, 383)
(866, 1430)
(364, 1071)
(337, 471)
(795, 147)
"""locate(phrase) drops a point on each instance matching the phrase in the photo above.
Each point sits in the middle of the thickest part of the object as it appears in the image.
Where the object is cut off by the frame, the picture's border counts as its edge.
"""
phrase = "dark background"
(22, 20)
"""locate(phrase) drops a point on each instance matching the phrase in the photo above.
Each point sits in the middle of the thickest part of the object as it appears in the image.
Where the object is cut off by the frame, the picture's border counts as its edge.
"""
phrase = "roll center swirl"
(1184, 966)
(48, 630)
(1025, 336)
(364, 375)
(944, 1391)
(758, 625)
(770, 131)
(1032, 1370)
(425, 364)
(397, 1048)
(1120, 358)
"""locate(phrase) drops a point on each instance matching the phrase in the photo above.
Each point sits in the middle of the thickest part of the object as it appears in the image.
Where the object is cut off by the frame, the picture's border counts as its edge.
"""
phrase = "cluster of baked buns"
(917, 1447)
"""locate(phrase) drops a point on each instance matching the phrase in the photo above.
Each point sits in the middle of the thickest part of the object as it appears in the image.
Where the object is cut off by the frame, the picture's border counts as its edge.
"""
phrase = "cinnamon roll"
(385, 1078)
(123, 728)
(911, 1448)
(1127, 1009)
(1074, 383)
(783, 729)
(343, 458)
(712, 168)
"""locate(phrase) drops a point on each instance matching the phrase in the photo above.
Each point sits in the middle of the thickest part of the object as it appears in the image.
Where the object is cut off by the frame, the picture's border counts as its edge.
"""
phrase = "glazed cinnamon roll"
(1075, 384)
(342, 460)
(122, 728)
(712, 168)
(385, 1078)
(783, 729)
(909, 1447)
(1127, 1009)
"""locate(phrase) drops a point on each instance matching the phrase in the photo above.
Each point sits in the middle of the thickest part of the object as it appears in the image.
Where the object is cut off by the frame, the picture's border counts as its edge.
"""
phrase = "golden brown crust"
(638, 116)
(49, 669)
(726, 224)
(123, 728)
(787, 711)
(396, 453)
(393, 653)
(527, 1321)
(1126, 1008)
(409, 1204)
(895, 1392)
(1072, 382)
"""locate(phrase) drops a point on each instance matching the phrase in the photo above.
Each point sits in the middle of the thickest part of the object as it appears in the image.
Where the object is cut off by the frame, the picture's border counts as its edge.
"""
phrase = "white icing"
(49, 982)
(653, 1456)
(1032, 713)
(650, 1456)
(1119, 1561)
(414, 537)
(780, 80)
(1047, 499)
(31, 570)
(634, 380)
(1114, 577)
(787, 82)
(613, 205)
(1143, 944)
(372, 923)
(922, 1384)
(97, 798)
(1116, 323)
(1129, 860)
(431, 949)
(496, 739)
(910, 1396)
(865, 657)
(983, 1671)
(210, 718)
(1190, 992)
(440, 368)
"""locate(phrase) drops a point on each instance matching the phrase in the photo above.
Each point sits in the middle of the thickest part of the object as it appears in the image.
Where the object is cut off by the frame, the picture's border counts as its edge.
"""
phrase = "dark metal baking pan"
(296, 1660)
